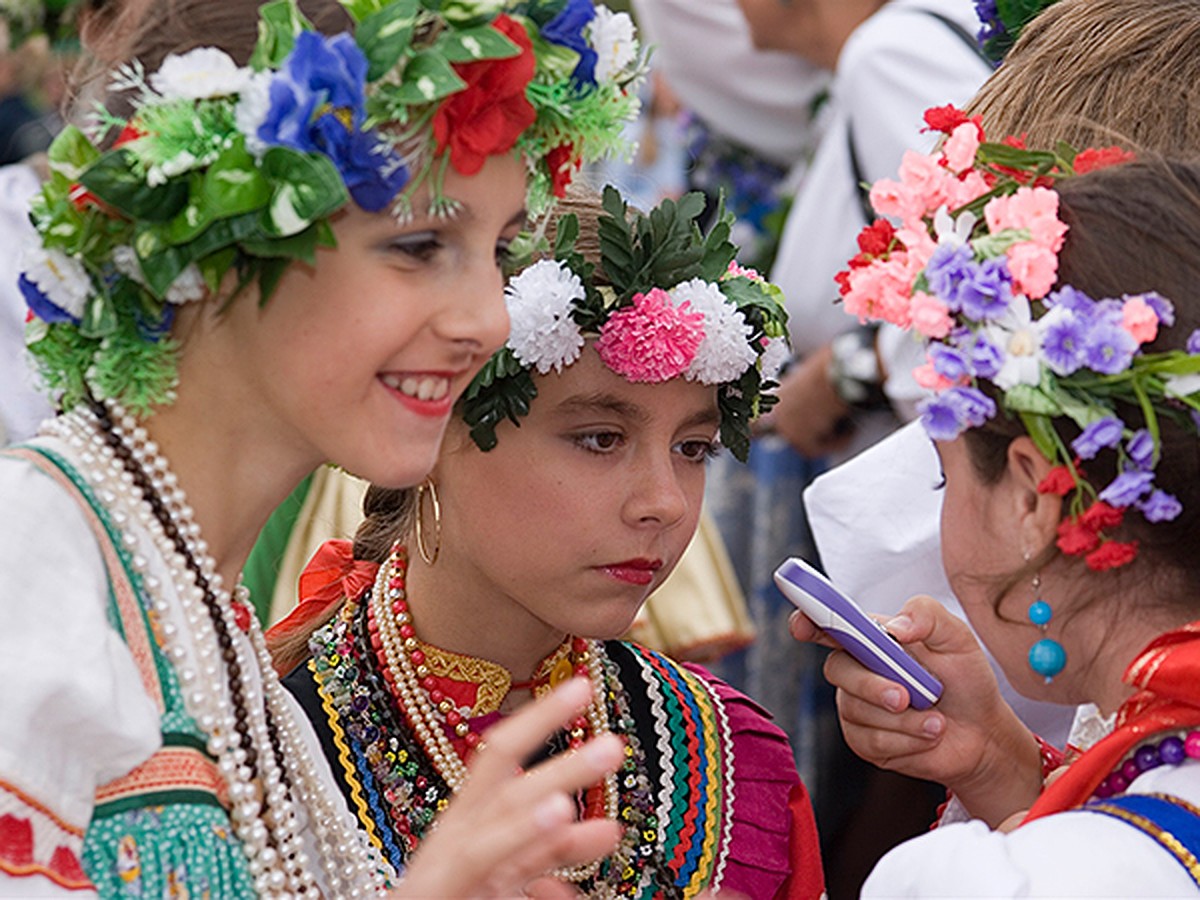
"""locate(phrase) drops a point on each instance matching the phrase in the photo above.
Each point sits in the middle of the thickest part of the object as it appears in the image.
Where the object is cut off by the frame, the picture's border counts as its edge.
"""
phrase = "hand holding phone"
(856, 632)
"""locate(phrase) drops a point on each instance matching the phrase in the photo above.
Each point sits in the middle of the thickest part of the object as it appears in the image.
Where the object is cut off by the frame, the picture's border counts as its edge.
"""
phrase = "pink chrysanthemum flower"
(651, 341)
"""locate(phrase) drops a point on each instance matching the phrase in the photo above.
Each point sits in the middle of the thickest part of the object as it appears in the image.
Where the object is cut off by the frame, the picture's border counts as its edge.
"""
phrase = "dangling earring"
(430, 556)
(1047, 657)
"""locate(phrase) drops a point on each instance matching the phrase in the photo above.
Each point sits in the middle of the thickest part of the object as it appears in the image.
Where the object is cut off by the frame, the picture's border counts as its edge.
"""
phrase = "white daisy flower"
(62, 278)
(774, 356)
(613, 38)
(725, 353)
(543, 334)
(199, 75)
(1017, 337)
(254, 104)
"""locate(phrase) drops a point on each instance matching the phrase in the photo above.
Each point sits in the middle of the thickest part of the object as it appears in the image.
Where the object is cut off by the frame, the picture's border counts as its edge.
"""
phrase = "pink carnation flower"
(1034, 269)
(1140, 320)
(1034, 209)
(880, 291)
(930, 316)
(737, 271)
(962, 191)
(928, 377)
(959, 149)
(653, 340)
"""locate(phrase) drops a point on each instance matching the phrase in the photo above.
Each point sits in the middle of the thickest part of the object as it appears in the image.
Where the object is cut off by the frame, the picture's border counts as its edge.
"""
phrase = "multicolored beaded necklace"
(407, 742)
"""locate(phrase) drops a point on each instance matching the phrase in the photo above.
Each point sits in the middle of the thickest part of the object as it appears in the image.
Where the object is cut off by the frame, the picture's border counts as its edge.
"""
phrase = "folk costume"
(708, 796)
(148, 748)
(976, 266)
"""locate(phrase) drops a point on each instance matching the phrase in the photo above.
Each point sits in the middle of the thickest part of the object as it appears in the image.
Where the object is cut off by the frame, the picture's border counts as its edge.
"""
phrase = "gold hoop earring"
(430, 557)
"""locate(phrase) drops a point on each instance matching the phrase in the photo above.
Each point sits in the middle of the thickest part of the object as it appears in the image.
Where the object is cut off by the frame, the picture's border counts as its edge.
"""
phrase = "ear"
(1037, 513)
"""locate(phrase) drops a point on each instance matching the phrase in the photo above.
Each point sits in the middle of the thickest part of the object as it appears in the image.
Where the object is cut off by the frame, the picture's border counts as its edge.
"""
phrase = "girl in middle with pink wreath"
(565, 492)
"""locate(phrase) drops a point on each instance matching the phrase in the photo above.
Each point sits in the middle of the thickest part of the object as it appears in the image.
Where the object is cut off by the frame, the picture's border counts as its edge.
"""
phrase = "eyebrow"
(460, 213)
(604, 402)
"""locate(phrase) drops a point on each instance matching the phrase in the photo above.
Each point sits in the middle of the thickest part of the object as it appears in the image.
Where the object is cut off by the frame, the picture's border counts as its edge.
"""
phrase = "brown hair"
(1132, 229)
(390, 513)
(1102, 72)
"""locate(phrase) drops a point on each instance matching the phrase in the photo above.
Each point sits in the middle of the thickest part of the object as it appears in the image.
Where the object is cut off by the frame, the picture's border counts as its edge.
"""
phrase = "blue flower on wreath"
(318, 104)
(566, 29)
(41, 305)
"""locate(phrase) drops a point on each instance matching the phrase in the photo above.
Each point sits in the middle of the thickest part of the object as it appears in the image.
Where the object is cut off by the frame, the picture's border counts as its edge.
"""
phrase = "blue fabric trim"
(1171, 822)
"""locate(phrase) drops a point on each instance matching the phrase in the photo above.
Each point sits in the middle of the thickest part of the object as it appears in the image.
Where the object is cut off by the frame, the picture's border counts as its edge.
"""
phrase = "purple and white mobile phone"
(856, 632)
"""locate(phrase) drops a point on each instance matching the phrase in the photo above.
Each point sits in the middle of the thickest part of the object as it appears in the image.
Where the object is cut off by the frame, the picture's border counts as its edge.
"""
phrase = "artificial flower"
(562, 163)
(1139, 319)
(1160, 506)
(1094, 158)
(543, 335)
(1127, 487)
(1111, 555)
(614, 39)
(199, 74)
(567, 30)
(725, 353)
(960, 147)
(1105, 432)
(488, 116)
(652, 340)
(952, 411)
(775, 355)
(930, 316)
(1101, 515)
(1016, 337)
(55, 286)
(1058, 481)
(1075, 538)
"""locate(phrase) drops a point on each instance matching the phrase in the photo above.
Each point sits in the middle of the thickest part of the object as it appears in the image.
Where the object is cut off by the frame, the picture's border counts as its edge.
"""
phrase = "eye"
(421, 246)
(698, 450)
(599, 441)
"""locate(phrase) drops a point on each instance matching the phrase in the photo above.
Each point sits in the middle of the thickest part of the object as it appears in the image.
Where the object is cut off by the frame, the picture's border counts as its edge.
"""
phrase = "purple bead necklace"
(1169, 751)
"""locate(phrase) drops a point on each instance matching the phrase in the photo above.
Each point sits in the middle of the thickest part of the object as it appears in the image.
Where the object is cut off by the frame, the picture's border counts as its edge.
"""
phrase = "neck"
(454, 609)
(233, 473)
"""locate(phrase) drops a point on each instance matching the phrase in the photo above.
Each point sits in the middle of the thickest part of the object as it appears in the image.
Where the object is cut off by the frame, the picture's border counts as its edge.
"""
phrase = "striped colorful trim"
(1173, 822)
(36, 842)
(179, 772)
(695, 757)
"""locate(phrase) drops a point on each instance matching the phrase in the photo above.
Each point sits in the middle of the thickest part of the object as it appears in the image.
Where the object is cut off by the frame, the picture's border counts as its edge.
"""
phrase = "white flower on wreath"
(254, 104)
(775, 354)
(61, 278)
(1017, 337)
(725, 353)
(199, 74)
(613, 38)
(543, 335)
(188, 285)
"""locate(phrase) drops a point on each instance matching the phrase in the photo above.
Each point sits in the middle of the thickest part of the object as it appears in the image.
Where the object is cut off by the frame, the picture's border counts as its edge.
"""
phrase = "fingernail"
(933, 726)
(552, 812)
(893, 699)
(899, 623)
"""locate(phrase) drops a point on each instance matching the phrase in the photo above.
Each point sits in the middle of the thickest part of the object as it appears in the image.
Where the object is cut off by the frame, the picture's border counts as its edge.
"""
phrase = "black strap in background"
(860, 182)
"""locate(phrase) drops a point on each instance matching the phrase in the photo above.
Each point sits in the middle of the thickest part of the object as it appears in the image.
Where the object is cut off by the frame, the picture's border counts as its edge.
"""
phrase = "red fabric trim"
(807, 878)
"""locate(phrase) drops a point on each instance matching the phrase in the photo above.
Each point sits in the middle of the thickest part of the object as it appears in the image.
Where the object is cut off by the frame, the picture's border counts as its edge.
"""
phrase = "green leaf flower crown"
(667, 301)
(222, 167)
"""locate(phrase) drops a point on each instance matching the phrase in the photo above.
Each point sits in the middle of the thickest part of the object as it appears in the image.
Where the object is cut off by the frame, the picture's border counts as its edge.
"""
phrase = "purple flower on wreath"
(1072, 299)
(566, 29)
(1064, 335)
(986, 290)
(1163, 308)
(983, 356)
(991, 25)
(945, 270)
(1098, 435)
(951, 412)
(1160, 507)
(1127, 488)
(1193, 342)
(318, 104)
(948, 361)
(1108, 347)
(1140, 449)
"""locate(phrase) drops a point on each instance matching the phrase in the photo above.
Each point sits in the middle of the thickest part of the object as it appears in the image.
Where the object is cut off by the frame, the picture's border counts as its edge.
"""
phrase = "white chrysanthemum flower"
(253, 106)
(725, 353)
(543, 334)
(62, 278)
(187, 286)
(613, 38)
(774, 356)
(199, 74)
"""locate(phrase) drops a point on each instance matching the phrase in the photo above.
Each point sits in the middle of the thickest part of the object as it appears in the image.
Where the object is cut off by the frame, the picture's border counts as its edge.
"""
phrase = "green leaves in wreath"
(503, 389)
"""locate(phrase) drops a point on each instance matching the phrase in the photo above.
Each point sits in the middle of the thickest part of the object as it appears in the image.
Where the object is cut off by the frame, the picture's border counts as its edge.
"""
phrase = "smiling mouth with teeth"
(428, 388)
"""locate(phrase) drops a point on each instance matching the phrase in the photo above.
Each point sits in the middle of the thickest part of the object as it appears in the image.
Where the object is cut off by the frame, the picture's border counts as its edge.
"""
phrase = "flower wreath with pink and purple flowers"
(224, 168)
(669, 301)
(972, 268)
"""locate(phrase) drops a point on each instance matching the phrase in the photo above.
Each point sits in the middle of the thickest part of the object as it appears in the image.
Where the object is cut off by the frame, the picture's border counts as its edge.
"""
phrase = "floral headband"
(676, 304)
(222, 167)
(1001, 22)
(971, 269)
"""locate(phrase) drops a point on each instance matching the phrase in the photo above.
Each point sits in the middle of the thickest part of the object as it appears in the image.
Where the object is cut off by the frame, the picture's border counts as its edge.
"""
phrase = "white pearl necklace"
(270, 836)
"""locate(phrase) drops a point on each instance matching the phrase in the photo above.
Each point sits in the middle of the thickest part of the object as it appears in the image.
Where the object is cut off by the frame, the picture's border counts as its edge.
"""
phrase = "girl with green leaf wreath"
(568, 487)
(280, 245)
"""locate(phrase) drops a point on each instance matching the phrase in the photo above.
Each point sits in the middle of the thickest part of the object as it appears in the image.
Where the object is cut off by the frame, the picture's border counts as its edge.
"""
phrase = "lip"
(406, 387)
(638, 571)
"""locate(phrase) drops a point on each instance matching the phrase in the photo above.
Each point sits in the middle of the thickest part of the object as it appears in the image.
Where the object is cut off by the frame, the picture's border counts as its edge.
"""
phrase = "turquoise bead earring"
(1047, 657)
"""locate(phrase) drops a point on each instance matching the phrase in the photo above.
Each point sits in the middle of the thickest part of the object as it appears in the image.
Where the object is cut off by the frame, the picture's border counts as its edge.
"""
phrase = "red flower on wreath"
(1075, 538)
(1094, 158)
(1058, 481)
(488, 116)
(1111, 554)
(562, 163)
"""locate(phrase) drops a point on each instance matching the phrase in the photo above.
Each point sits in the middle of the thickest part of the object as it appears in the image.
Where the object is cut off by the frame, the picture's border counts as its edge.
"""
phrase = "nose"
(476, 317)
(656, 496)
